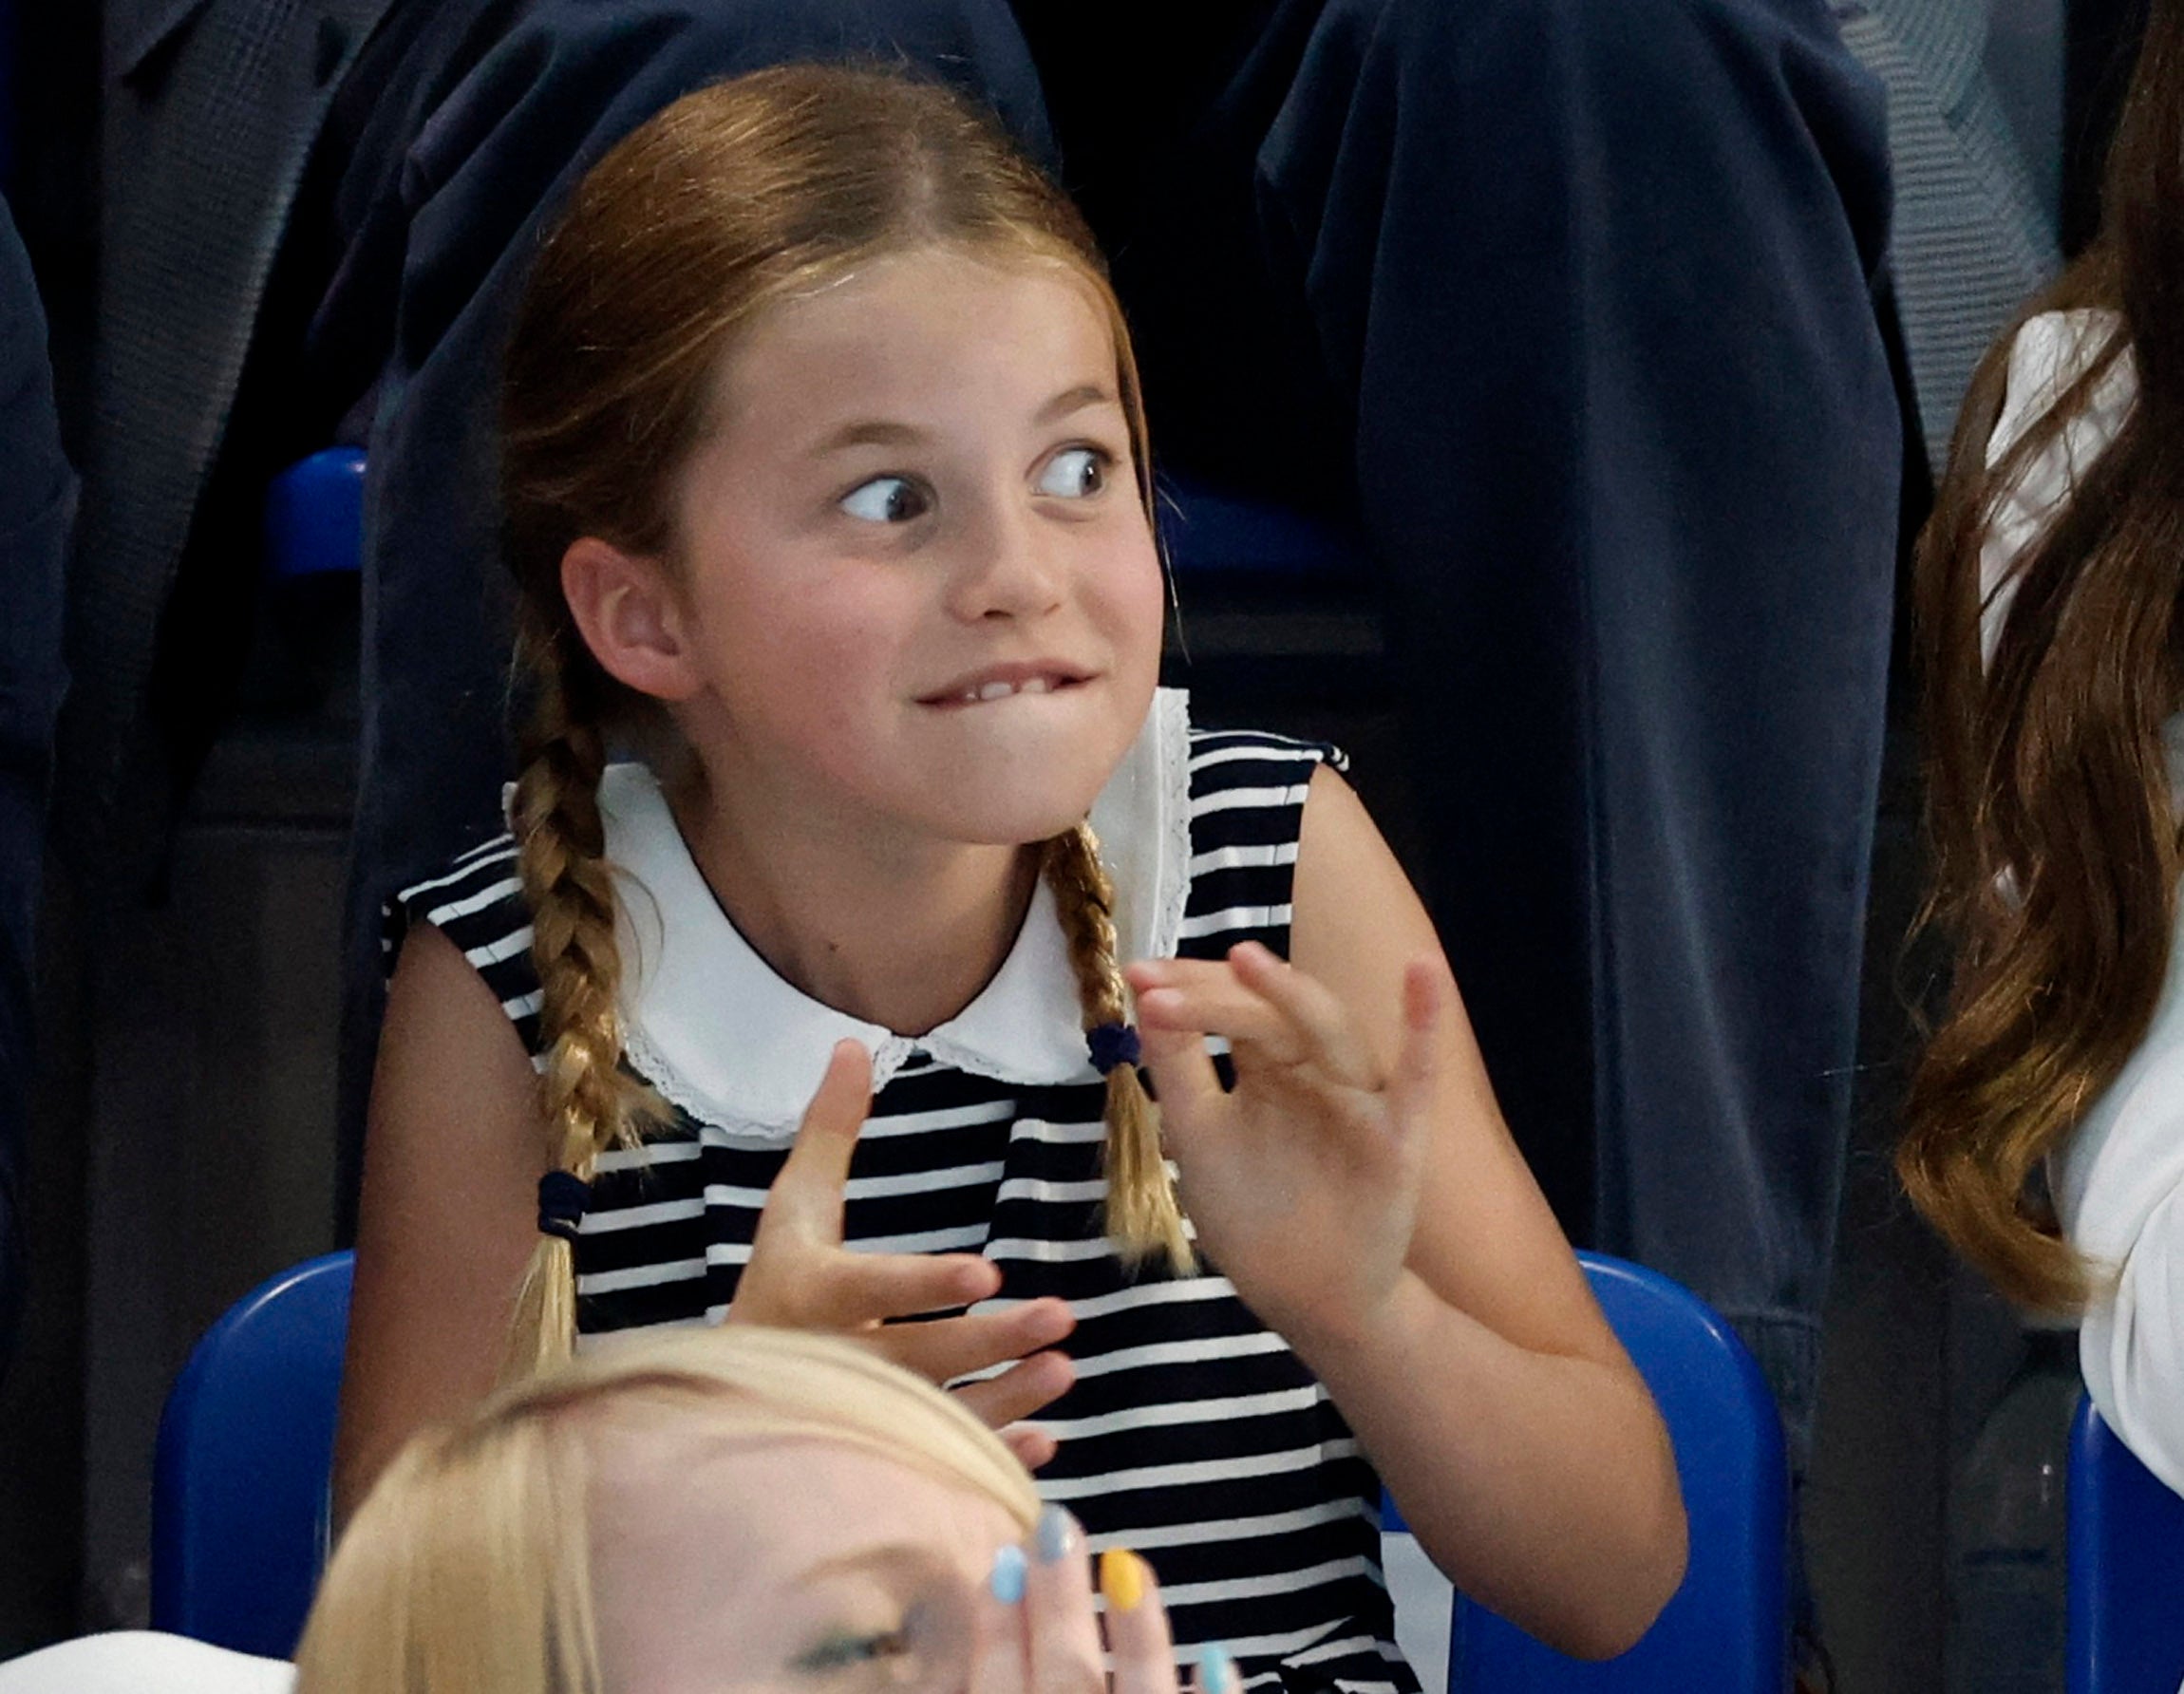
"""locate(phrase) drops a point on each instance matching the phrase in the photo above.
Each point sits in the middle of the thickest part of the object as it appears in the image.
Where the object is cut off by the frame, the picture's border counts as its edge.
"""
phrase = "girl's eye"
(847, 1650)
(887, 500)
(1074, 472)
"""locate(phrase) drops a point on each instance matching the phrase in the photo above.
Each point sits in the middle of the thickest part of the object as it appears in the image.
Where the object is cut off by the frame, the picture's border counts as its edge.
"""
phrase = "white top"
(2118, 1182)
(687, 981)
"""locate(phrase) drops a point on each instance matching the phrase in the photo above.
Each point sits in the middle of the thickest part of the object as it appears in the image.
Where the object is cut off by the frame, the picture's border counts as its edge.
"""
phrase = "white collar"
(720, 1034)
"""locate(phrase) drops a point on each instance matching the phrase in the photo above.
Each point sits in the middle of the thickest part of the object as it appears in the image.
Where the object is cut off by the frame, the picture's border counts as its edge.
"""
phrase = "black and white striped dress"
(1193, 1434)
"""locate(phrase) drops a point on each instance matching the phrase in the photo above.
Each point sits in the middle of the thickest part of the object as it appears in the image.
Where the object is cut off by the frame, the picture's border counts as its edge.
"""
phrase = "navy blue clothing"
(37, 508)
(1570, 306)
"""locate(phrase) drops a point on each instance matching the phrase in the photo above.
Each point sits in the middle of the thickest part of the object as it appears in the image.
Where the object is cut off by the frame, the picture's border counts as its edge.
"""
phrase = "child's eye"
(849, 1649)
(887, 500)
(1074, 472)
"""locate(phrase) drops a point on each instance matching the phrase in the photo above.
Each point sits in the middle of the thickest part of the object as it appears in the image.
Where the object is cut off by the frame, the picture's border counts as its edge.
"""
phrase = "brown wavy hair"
(2053, 828)
(732, 200)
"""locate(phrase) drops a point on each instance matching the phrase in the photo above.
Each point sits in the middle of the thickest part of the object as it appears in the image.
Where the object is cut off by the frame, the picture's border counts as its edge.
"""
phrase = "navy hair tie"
(1111, 1044)
(563, 1199)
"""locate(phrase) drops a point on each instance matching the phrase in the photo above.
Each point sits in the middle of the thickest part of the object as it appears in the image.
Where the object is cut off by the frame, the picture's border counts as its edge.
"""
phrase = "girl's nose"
(1007, 567)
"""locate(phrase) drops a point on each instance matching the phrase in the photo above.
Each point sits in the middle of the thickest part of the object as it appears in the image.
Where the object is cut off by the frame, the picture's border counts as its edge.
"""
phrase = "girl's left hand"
(1303, 1182)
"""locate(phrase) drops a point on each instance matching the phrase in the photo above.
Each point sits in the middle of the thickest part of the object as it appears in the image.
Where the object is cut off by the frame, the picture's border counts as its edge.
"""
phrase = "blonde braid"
(1143, 1218)
(589, 1101)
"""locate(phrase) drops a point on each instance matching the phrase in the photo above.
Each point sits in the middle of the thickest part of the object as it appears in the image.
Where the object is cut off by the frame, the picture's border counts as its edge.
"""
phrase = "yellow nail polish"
(1122, 1578)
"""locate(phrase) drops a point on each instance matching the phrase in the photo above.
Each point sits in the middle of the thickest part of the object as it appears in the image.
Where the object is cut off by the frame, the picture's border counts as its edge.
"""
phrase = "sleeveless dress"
(1193, 1434)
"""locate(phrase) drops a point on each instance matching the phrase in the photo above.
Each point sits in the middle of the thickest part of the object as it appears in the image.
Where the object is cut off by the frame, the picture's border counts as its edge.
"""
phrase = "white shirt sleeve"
(2050, 353)
(2120, 1194)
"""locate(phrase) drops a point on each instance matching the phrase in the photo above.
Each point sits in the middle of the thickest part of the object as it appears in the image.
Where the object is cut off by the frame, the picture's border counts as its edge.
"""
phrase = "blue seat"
(314, 516)
(1726, 1631)
(240, 1485)
(239, 1501)
(2126, 1581)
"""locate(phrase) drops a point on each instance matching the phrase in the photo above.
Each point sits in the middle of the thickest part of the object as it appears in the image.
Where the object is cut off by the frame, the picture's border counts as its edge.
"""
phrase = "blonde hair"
(467, 1569)
(733, 200)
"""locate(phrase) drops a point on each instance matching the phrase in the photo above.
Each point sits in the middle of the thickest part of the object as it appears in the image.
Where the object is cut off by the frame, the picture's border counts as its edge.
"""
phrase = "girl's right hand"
(800, 1277)
(1042, 1636)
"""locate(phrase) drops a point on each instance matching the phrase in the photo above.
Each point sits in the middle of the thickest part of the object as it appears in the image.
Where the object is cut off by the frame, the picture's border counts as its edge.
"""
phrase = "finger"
(946, 1348)
(1226, 1009)
(1024, 1388)
(807, 1191)
(1411, 1089)
(1031, 1444)
(1184, 1081)
(1057, 1614)
(873, 1287)
(1001, 1662)
(1310, 1007)
(1143, 1653)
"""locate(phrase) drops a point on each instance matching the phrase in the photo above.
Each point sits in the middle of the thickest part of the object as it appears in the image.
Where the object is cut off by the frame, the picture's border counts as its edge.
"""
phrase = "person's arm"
(2119, 1188)
(448, 1215)
(1474, 1365)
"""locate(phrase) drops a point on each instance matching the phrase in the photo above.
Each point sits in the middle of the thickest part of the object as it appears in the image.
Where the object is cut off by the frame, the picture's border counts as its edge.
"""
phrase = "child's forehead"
(958, 308)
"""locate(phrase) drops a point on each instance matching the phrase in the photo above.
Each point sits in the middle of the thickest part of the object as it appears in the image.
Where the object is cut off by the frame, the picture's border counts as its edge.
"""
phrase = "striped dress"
(1193, 1434)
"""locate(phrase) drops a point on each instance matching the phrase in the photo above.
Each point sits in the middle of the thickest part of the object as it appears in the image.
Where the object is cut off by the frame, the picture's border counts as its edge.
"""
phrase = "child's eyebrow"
(1073, 399)
(872, 433)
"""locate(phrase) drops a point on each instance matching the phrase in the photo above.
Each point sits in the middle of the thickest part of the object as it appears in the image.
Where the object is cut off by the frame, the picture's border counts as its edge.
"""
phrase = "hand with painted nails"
(800, 1277)
(1303, 1181)
(1043, 1635)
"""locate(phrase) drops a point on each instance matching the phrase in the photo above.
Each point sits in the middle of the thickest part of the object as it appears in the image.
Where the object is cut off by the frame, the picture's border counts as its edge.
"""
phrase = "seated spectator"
(2047, 1121)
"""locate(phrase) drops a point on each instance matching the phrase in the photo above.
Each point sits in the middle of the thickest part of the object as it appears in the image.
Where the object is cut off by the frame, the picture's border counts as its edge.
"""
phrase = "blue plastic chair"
(2126, 1582)
(239, 1486)
(314, 516)
(1728, 1628)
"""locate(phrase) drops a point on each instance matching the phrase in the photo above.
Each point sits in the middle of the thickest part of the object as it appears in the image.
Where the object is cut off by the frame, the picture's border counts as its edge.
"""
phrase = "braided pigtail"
(590, 1102)
(1143, 1218)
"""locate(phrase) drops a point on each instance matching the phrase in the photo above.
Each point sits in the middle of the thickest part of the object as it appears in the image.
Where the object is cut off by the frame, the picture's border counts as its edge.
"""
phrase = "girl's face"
(919, 587)
(795, 1567)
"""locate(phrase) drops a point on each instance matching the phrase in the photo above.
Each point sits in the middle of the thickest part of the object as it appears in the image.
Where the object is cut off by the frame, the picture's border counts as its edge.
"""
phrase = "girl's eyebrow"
(1073, 399)
(872, 432)
(882, 432)
(906, 1561)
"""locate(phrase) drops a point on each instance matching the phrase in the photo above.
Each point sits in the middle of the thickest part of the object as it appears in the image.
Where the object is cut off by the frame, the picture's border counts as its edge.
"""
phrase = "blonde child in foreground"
(741, 1510)
(828, 499)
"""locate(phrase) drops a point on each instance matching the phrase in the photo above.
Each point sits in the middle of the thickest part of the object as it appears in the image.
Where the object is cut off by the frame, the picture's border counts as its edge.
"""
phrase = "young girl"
(2046, 1124)
(630, 1522)
(828, 499)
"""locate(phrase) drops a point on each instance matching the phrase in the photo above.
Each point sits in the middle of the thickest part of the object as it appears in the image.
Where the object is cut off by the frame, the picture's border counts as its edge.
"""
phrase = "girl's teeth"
(999, 690)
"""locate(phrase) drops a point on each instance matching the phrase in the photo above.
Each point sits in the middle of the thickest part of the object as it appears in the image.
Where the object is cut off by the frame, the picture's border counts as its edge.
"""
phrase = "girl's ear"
(627, 611)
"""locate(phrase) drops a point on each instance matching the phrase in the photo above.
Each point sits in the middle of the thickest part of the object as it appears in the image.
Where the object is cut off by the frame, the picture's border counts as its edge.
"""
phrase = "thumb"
(1410, 1090)
(807, 1191)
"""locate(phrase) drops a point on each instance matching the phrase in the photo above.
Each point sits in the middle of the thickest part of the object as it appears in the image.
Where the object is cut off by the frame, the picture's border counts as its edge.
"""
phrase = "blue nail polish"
(1051, 1537)
(1007, 1579)
(1216, 1670)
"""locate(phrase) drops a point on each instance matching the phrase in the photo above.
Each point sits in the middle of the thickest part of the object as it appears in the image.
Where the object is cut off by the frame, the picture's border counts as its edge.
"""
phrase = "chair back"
(2126, 1581)
(240, 1485)
(1726, 1631)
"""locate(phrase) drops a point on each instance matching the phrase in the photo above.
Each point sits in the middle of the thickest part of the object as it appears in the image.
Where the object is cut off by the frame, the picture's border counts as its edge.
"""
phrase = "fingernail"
(1216, 1669)
(1055, 1532)
(1007, 1579)
(1122, 1578)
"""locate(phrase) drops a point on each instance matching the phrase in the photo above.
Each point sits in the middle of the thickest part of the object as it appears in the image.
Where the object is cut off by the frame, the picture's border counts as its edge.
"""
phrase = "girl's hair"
(2055, 843)
(732, 200)
(467, 1569)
